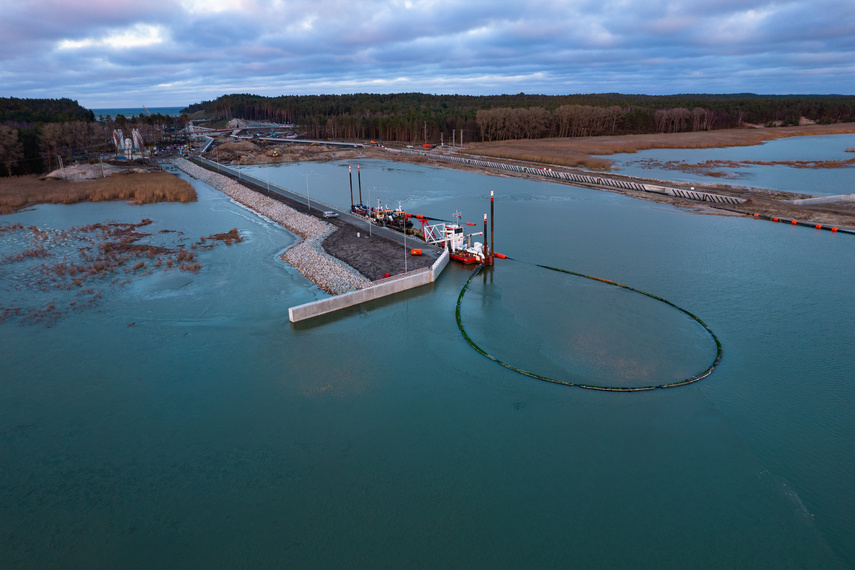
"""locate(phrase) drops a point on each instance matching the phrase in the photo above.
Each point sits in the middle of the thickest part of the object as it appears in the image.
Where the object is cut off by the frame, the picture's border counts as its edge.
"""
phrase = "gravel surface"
(307, 257)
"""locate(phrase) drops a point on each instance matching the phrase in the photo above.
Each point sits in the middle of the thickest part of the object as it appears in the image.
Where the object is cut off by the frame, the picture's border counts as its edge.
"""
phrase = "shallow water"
(226, 436)
(814, 181)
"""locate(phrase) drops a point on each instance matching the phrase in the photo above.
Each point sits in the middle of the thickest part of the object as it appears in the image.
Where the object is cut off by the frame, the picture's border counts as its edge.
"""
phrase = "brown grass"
(22, 191)
(578, 151)
(229, 237)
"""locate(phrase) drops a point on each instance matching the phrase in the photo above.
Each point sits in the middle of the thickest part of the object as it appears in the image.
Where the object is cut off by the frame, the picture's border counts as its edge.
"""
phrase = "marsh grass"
(22, 191)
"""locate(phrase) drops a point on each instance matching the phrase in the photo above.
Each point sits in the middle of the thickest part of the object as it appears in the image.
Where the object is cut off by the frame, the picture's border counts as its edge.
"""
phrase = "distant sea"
(136, 111)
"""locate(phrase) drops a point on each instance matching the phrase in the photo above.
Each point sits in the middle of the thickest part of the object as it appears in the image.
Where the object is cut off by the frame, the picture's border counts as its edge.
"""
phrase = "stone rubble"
(308, 257)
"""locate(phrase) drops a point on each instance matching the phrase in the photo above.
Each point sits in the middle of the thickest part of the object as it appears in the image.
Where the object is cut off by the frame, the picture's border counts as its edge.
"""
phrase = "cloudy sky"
(117, 53)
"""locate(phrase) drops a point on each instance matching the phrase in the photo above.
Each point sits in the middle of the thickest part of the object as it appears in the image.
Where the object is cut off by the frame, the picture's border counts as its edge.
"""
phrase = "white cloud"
(138, 35)
(200, 49)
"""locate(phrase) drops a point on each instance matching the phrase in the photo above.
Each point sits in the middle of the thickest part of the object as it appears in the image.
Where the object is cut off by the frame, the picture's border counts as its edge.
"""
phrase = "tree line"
(35, 134)
(417, 117)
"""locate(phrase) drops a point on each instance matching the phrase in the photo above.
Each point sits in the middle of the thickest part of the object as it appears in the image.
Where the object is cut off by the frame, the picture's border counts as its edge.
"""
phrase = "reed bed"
(138, 188)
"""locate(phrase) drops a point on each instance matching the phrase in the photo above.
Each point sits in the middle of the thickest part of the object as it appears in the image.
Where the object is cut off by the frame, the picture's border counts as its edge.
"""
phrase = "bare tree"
(50, 142)
(11, 149)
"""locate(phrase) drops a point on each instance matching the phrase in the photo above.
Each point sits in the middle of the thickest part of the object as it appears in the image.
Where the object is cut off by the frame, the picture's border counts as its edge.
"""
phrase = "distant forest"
(416, 117)
(35, 133)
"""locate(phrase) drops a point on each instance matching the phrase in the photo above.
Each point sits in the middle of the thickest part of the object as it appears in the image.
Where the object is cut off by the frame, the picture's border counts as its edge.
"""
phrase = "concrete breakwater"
(378, 289)
(308, 257)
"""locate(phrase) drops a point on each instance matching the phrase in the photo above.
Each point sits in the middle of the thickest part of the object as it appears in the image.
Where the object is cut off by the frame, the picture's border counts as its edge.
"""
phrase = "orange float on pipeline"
(775, 220)
(500, 255)
(819, 226)
(415, 252)
(794, 222)
(834, 229)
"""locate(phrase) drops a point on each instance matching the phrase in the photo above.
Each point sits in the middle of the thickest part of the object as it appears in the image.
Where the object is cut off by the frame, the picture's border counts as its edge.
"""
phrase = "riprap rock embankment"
(308, 257)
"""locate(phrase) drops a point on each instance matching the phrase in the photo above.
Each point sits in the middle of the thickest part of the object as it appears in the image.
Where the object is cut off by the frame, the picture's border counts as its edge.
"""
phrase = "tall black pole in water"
(492, 233)
(350, 174)
(359, 177)
(486, 249)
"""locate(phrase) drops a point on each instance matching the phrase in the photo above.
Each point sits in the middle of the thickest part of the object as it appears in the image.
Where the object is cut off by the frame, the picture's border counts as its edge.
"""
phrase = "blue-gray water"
(814, 181)
(213, 433)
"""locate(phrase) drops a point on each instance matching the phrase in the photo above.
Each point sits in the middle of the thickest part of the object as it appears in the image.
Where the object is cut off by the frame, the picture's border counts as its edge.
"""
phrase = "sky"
(121, 53)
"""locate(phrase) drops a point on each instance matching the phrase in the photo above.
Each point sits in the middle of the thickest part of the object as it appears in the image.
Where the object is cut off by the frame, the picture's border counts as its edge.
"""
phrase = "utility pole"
(425, 132)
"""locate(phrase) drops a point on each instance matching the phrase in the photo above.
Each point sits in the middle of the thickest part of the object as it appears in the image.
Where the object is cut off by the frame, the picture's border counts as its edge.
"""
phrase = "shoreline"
(329, 273)
(773, 203)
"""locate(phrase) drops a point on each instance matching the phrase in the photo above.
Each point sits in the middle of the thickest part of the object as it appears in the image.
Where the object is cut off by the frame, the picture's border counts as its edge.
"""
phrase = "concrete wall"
(439, 265)
(386, 287)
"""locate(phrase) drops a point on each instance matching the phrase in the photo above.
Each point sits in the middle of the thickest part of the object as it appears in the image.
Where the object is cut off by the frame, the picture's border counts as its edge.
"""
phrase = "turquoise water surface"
(212, 432)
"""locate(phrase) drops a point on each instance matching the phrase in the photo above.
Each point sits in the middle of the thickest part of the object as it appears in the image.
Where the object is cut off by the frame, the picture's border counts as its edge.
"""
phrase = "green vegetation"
(35, 132)
(414, 117)
(22, 112)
